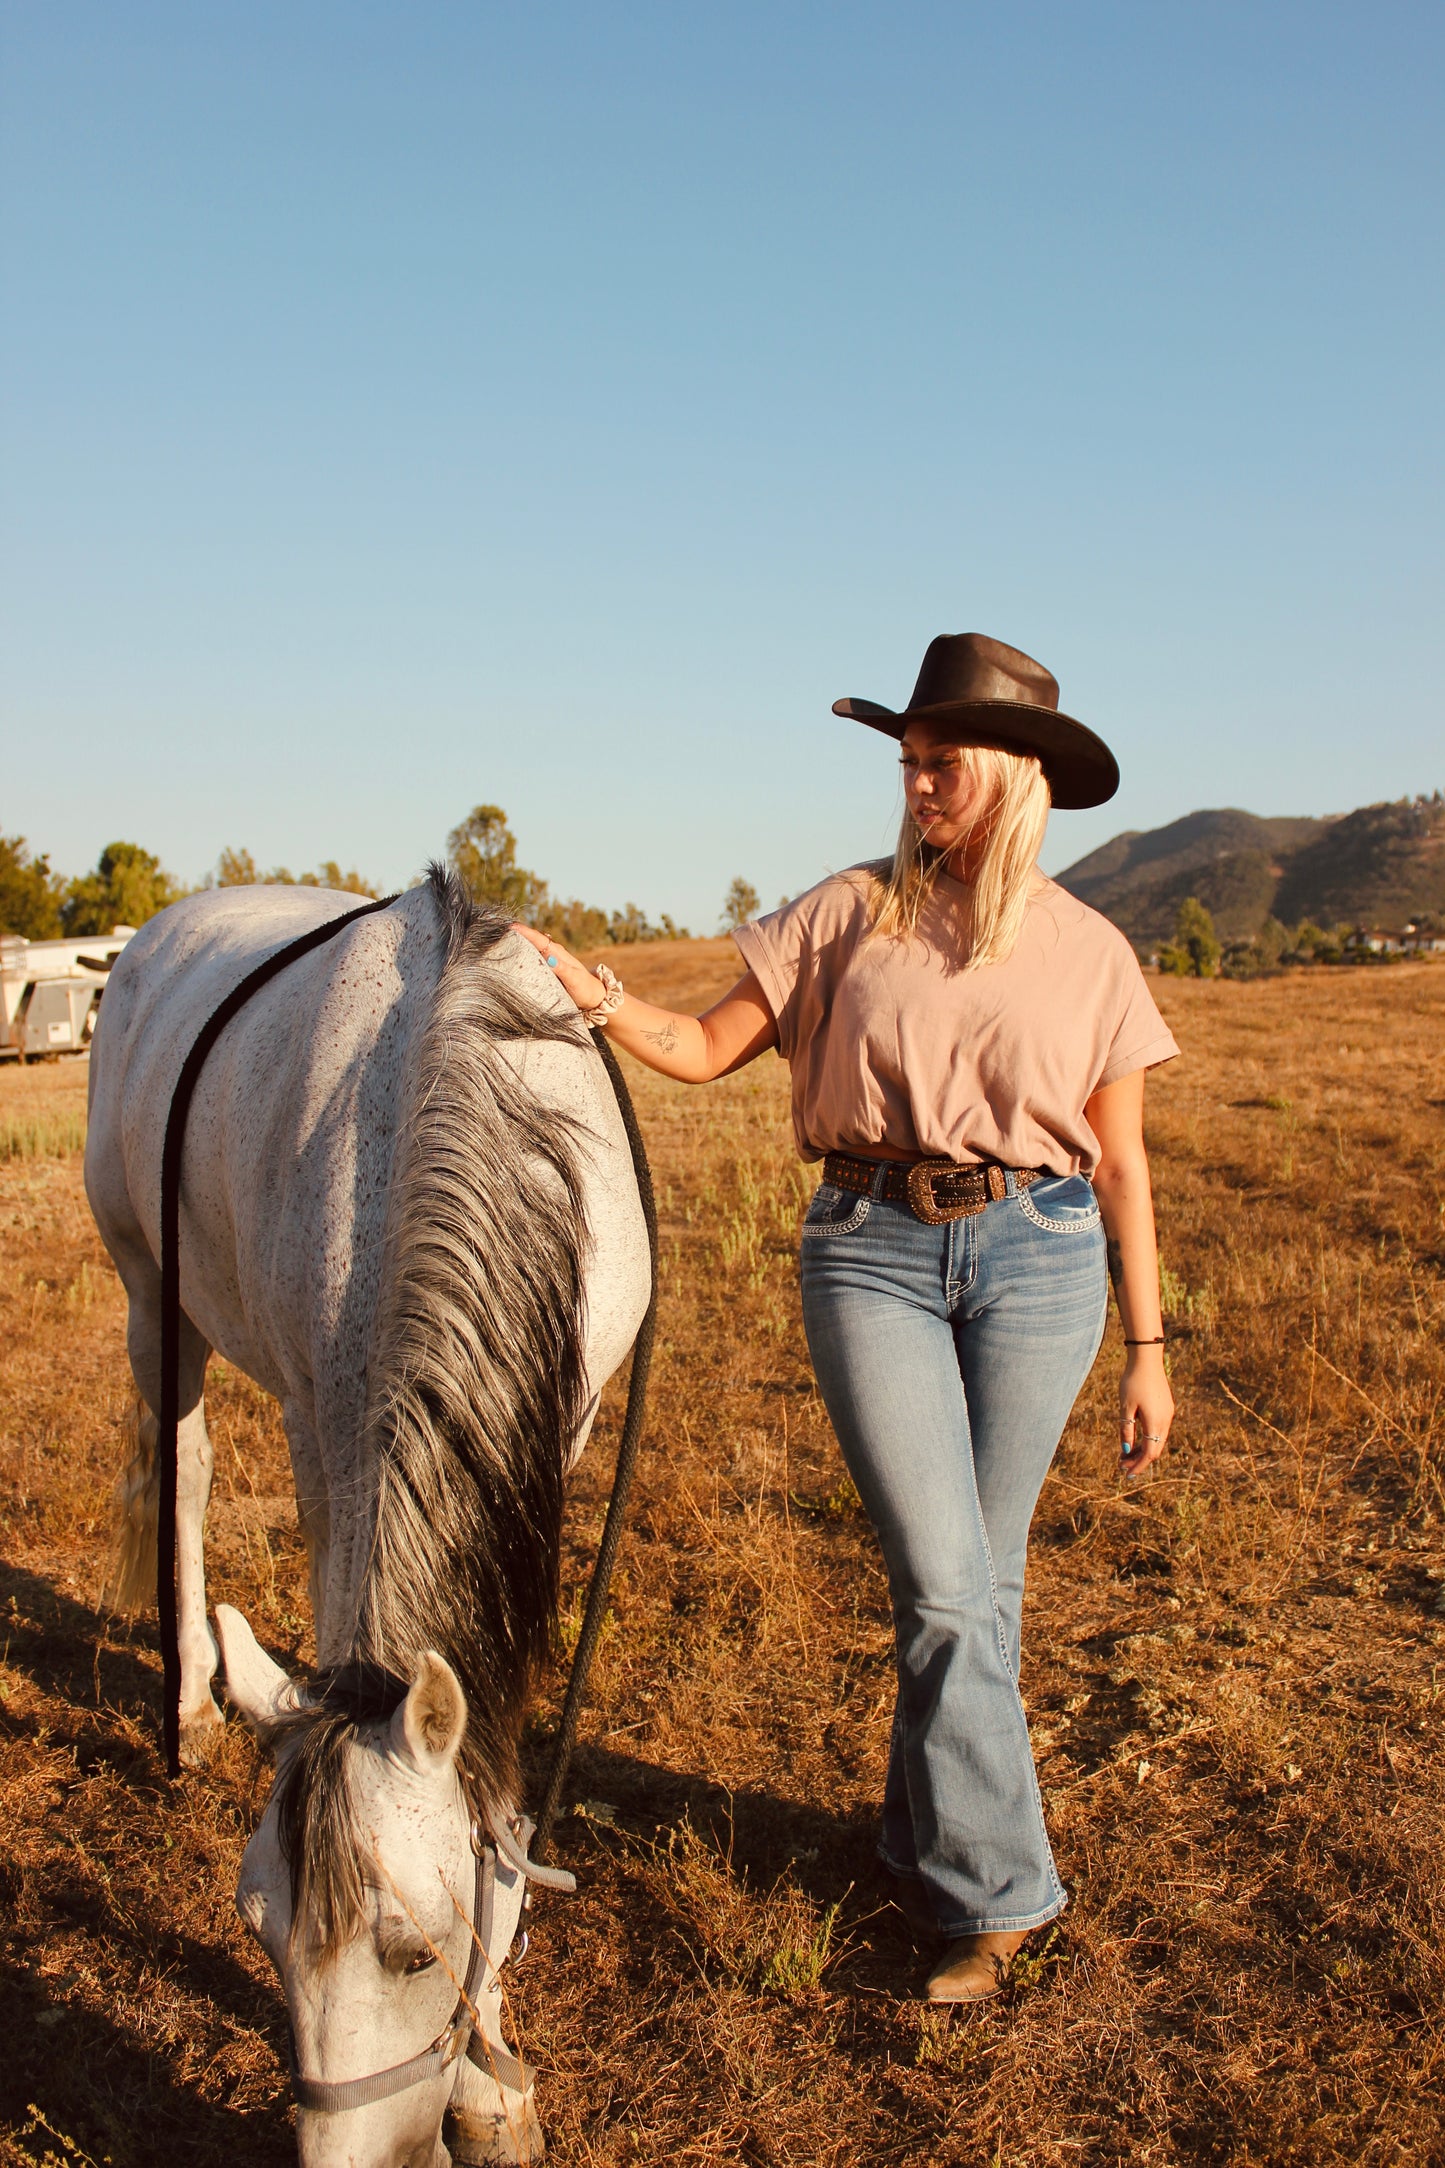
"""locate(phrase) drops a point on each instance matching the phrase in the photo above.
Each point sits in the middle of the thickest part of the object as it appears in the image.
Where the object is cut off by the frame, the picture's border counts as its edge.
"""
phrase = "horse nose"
(324, 2141)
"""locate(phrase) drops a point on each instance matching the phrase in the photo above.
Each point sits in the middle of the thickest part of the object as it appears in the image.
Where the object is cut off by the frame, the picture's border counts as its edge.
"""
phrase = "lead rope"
(622, 1475)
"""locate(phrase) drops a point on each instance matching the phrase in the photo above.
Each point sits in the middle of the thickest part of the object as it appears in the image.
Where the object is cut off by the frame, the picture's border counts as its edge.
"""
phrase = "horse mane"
(475, 1393)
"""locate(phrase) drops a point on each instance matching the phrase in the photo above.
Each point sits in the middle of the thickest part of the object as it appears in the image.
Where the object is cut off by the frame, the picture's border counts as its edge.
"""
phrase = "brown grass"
(1233, 1677)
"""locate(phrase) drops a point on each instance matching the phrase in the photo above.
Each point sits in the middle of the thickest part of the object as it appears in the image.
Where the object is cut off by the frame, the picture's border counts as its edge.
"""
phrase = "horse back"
(291, 1131)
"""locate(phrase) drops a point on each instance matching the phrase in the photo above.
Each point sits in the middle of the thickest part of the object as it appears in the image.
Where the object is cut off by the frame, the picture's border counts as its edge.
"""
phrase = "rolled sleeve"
(773, 949)
(1140, 1038)
(758, 956)
(1160, 1049)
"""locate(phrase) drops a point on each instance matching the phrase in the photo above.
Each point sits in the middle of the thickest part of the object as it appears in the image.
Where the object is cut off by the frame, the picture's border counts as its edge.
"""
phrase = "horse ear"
(427, 1729)
(256, 1684)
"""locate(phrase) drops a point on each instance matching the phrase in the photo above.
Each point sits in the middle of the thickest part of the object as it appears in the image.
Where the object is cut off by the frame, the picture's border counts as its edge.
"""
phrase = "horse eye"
(422, 1962)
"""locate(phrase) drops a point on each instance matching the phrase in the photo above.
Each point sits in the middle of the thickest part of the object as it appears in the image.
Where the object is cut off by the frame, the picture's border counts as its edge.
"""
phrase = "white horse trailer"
(50, 991)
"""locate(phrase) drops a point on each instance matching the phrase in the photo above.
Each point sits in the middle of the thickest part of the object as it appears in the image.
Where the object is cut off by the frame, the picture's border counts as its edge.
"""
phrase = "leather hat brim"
(1080, 769)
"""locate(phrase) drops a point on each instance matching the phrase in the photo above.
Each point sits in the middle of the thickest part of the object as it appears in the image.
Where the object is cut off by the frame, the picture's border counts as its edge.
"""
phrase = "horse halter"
(325, 2096)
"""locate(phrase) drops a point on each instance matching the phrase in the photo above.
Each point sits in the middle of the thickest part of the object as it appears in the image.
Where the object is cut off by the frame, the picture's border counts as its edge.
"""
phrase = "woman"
(968, 1046)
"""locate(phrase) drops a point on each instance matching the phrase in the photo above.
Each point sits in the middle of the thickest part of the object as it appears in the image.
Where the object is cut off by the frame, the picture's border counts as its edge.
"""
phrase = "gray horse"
(409, 1212)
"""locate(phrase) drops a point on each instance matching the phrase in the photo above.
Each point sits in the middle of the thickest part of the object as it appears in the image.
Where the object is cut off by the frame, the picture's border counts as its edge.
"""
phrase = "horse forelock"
(476, 1381)
(320, 1840)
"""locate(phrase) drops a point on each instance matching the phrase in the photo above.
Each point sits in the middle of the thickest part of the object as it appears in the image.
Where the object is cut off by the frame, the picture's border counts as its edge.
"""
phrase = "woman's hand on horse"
(584, 987)
(693, 1049)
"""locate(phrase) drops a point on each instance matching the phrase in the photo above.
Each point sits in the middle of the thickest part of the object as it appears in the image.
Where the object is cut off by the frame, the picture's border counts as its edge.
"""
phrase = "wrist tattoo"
(1115, 1254)
(664, 1040)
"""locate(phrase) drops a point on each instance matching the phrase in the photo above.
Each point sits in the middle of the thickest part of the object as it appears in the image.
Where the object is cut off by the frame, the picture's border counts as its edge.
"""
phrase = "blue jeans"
(949, 1358)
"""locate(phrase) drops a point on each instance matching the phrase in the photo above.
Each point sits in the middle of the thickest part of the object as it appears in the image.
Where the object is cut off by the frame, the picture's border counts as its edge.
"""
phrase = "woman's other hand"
(1146, 1409)
(1115, 1113)
(575, 979)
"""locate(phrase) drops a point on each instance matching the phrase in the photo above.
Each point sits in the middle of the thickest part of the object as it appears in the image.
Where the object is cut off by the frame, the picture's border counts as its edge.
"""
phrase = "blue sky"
(406, 406)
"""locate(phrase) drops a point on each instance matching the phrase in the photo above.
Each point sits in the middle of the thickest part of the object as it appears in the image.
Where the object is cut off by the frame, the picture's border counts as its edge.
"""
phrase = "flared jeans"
(949, 1357)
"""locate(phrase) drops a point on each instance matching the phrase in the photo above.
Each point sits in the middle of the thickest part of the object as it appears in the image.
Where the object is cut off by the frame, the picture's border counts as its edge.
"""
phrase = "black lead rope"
(622, 1475)
(167, 1442)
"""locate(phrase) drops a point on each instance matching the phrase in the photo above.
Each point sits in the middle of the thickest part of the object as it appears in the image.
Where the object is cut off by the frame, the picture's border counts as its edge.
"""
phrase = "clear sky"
(412, 405)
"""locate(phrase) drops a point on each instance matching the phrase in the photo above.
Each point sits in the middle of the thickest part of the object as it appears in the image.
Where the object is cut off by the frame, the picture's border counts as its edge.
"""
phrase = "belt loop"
(880, 1176)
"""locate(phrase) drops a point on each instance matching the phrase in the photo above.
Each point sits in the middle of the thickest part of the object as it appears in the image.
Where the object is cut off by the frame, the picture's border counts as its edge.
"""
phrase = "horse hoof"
(200, 1733)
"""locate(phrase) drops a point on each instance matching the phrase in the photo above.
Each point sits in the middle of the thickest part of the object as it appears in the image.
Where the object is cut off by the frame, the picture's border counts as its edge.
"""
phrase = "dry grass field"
(1236, 1677)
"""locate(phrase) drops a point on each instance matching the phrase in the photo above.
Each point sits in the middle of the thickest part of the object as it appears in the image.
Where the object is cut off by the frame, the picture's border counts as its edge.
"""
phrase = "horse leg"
(201, 1720)
(132, 1580)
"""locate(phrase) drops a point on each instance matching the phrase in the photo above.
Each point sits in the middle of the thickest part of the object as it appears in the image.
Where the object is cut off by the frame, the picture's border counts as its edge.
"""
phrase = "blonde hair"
(1013, 800)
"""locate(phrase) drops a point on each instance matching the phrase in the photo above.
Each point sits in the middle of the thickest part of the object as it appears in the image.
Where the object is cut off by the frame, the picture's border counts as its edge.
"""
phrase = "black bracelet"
(1146, 1343)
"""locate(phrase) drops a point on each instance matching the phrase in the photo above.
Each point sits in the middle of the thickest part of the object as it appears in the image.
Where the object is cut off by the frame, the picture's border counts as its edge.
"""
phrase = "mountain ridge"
(1379, 865)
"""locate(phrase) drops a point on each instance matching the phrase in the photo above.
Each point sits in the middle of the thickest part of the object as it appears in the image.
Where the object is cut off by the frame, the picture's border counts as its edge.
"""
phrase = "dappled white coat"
(287, 1160)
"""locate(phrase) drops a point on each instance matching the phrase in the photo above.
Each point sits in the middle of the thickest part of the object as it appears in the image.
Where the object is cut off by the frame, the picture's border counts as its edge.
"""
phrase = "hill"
(1377, 866)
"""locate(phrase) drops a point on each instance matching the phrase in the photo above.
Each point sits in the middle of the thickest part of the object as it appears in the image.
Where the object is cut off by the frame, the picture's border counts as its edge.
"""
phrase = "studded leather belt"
(935, 1189)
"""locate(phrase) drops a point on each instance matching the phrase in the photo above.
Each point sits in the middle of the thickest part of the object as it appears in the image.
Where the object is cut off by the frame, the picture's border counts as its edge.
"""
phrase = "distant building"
(1407, 940)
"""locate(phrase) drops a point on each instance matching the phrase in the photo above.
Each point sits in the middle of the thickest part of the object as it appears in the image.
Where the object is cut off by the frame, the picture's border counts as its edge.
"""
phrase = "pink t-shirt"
(896, 1052)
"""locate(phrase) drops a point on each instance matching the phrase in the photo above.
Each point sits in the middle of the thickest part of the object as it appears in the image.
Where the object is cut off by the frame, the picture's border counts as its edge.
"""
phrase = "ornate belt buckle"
(992, 1184)
(924, 1206)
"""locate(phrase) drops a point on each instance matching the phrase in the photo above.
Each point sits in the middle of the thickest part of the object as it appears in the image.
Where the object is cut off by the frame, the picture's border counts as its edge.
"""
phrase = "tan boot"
(974, 1967)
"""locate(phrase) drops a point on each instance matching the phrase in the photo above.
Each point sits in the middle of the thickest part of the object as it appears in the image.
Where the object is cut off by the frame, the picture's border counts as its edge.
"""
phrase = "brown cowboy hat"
(996, 695)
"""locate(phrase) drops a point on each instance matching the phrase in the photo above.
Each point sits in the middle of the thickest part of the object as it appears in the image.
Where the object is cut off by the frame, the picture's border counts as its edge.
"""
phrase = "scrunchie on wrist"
(611, 1000)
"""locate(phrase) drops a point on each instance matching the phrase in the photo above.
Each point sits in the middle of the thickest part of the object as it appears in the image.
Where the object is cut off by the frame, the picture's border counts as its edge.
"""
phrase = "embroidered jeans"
(949, 1358)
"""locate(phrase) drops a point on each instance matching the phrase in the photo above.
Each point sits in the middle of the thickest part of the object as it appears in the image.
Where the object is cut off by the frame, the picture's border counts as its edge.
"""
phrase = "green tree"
(1261, 957)
(128, 886)
(329, 875)
(1271, 941)
(1195, 950)
(575, 924)
(482, 851)
(238, 869)
(29, 892)
(631, 924)
(740, 903)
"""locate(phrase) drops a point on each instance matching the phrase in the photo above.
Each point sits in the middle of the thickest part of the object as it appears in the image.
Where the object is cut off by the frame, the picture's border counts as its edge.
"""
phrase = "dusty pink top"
(896, 1052)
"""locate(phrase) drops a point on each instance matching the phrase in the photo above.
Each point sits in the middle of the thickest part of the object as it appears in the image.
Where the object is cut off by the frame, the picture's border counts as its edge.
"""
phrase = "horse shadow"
(73, 1653)
(69, 1900)
(104, 2096)
(616, 1801)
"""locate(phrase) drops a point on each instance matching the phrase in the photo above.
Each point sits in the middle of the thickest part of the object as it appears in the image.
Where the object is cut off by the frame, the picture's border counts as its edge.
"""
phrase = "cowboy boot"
(974, 1967)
